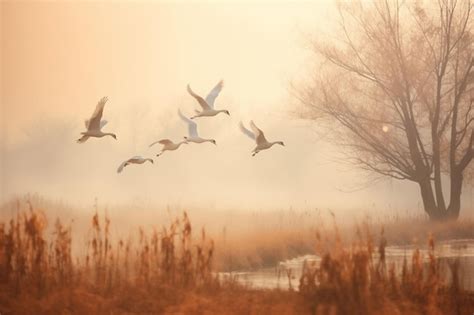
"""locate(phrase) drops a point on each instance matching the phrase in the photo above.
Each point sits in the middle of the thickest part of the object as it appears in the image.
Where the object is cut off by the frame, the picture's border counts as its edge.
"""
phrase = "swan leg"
(198, 114)
(82, 139)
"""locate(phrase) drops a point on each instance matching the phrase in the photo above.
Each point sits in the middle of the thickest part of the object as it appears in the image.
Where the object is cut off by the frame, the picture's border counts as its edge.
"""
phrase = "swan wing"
(135, 159)
(120, 168)
(164, 142)
(103, 122)
(211, 97)
(94, 121)
(198, 98)
(246, 132)
(192, 126)
(259, 136)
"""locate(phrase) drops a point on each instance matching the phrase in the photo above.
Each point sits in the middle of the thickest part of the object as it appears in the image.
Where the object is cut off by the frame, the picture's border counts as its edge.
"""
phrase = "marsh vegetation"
(174, 269)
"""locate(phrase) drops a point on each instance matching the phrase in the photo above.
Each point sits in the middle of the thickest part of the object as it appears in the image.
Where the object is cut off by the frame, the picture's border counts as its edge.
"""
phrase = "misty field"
(237, 157)
(174, 269)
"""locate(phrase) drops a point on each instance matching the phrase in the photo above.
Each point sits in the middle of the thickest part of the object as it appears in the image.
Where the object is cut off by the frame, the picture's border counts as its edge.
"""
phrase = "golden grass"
(170, 271)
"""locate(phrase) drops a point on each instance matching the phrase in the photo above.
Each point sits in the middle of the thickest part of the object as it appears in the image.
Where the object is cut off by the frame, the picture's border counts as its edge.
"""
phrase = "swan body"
(192, 131)
(207, 104)
(94, 124)
(259, 137)
(133, 160)
(168, 145)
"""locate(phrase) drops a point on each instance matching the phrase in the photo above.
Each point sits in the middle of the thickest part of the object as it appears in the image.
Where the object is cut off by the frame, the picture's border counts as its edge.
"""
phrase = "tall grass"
(359, 280)
(32, 266)
(171, 270)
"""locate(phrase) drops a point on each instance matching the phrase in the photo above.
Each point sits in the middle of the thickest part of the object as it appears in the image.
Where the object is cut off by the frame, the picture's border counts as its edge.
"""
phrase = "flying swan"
(208, 103)
(168, 145)
(259, 137)
(133, 160)
(192, 131)
(94, 125)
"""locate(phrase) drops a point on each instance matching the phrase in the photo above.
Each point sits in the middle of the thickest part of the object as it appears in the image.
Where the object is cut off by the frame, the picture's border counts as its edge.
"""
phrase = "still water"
(287, 273)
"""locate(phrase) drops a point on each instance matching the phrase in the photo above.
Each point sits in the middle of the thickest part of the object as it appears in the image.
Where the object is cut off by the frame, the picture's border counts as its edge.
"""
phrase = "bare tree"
(397, 90)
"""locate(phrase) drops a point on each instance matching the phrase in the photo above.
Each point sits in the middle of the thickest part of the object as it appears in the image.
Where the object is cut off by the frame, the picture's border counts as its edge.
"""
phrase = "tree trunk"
(456, 190)
(429, 203)
(435, 212)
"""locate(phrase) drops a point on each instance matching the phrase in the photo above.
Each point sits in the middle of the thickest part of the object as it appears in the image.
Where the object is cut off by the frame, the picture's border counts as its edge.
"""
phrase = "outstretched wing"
(164, 142)
(198, 98)
(246, 132)
(94, 122)
(120, 168)
(192, 126)
(259, 136)
(211, 97)
(135, 159)
(102, 123)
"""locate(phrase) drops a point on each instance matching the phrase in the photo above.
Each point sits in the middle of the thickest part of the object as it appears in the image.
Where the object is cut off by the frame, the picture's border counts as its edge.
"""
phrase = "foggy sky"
(58, 59)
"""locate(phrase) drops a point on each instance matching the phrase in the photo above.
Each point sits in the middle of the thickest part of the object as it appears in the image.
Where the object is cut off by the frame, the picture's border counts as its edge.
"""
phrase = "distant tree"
(396, 89)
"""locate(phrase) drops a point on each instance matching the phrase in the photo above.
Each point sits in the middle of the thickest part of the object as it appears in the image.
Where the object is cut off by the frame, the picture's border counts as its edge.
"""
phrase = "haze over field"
(237, 157)
(59, 59)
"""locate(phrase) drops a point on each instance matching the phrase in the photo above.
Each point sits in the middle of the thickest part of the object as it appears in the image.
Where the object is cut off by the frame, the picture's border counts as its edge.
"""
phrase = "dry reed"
(170, 271)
